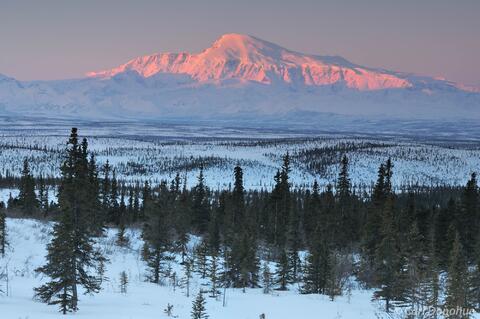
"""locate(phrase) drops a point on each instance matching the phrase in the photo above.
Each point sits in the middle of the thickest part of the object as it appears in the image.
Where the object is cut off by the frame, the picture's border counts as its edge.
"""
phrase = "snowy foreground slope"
(28, 239)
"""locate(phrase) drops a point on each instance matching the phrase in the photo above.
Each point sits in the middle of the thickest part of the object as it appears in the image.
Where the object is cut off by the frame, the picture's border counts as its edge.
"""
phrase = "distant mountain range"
(242, 78)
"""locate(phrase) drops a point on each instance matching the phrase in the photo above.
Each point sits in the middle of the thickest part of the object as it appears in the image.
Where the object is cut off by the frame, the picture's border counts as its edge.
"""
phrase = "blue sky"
(51, 39)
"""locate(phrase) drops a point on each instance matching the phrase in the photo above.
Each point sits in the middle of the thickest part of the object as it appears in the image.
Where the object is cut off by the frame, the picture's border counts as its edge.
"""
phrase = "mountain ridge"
(248, 58)
(242, 75)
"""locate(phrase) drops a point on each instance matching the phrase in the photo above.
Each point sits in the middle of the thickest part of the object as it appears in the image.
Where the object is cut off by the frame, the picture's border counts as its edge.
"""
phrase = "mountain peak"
(245, 58)
(244, 48)
(235, 37)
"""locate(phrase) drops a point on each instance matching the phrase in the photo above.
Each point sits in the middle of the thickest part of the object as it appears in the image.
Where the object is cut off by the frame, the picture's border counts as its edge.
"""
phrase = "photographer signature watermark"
(445, 312)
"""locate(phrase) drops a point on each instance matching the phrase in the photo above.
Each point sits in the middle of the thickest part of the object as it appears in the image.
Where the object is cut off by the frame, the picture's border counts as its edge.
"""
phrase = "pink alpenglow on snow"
(244, 57)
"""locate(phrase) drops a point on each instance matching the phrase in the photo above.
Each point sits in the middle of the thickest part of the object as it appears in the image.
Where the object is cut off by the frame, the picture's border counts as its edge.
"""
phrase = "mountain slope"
(236, 56)
(239, 78)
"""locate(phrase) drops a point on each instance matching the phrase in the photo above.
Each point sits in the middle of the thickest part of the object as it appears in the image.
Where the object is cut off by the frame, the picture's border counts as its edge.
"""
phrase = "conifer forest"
(413, 248)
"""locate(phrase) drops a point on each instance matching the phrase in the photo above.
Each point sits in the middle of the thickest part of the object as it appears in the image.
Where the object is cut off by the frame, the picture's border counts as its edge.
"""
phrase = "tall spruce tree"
(27, 199)
(243, 262)
(122, 240)
(157, 235)
(372, 229)
(344, 219)
(294, 246)
(113, 211)
(201, 254)
(318, 269)
(146, 200)
(106, 186)
(475, 277)
(97, 215)
(388, 262)
(279, 206)
(413, 274)
(285, 202)
(238, 198)
(183, 221)
(71, 257)
(200, 204)
(343, 183)
(187, 271)
(469, 216)
(457, 285)
(42, 195)
(3, 230)
(136, 203)
(430, 291)
(214, 275)
(283, 274)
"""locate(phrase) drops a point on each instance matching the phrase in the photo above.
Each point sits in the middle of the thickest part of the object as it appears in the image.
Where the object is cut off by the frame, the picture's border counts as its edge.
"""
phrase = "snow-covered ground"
(28, 239)
(138, 158)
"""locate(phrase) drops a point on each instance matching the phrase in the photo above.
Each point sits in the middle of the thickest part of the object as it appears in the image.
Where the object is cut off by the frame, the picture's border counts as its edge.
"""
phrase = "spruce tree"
(200, 205)
(42, 195)
(27, 199)
(430, 291)
(295, 244)
(214, 275)
(285, 201)
(279, 206)
(469, 218)
(214, 226)
(122, 240)
(457, 285)
(113, 212)
(157, 232)
(444, 236)
(198, 308)
(106, 185)
(250, 264)
(267, 279)
(182, 221)
(123, 282)
(343, 182)
(136, 203)
(388, 176)
(243, 262)
(3, 230)
(71, 258)
(475, 277)
(97, 214)
(372, 229)
(283, 273)
(158, 238)
(344, 218)
(413, 275)
(312, 212)
(187, 272)
(318, 269)
(388, 261)
(238, 199)
(201, 253)
(130, 212)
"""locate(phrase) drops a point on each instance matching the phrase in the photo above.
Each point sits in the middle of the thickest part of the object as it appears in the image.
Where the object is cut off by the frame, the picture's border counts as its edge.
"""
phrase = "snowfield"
(28, 239)
(156, 157)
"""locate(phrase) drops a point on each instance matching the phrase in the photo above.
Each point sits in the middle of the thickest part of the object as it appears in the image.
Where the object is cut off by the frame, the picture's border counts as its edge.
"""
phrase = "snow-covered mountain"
(242, 77)
(246, 58)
